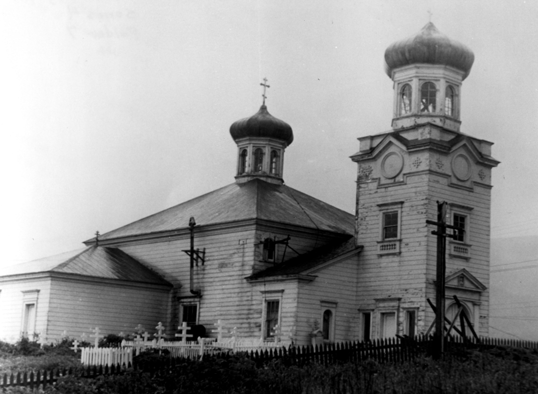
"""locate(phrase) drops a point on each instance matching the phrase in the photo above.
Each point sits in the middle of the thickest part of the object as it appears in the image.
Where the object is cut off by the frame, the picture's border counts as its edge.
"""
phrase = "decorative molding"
(461, 167)
(417, 162)
(482, 174)
(439, 163)
(365, 171)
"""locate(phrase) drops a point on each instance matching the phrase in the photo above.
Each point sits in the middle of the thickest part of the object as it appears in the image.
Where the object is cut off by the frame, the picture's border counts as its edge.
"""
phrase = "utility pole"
(439, 337)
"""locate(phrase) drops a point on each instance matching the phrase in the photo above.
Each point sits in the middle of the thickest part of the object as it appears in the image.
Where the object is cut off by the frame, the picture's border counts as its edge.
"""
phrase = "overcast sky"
(114, 110)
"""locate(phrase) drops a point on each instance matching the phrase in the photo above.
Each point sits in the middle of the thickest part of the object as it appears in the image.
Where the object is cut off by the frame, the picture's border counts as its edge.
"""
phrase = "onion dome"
(431, 47)
(264, 125)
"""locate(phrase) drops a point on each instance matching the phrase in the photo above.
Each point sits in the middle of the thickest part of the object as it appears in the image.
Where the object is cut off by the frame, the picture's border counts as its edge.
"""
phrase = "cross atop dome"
(261, 140)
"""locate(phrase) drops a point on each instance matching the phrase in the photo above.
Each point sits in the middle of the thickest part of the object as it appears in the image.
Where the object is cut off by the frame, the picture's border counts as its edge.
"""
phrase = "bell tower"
(402, 173)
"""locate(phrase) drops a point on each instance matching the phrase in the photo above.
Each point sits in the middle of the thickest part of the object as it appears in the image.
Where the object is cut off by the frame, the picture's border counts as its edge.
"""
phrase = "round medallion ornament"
(391, 165)
(461, 166)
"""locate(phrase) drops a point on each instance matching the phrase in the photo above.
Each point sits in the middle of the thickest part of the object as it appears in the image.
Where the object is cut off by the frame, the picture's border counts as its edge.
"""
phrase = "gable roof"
(93, 261)
(309, 261)
(255, 199)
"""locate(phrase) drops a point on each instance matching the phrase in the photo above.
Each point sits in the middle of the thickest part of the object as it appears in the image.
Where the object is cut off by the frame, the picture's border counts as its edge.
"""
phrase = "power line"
(506, 332)
(515, 262)
(516, 318)
(514, 269)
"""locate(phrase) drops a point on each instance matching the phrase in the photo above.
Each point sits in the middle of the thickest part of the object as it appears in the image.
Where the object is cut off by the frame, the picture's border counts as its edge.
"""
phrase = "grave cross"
(277, 333)
(160, 328)
(42, 340)
(265, 86)
(75, 345)
(220, 330)
(145, 336)
(96, 336)
(183, 335)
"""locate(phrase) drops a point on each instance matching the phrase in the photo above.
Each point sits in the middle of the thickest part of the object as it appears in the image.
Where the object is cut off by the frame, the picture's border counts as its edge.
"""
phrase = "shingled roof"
(93, 261)
(255, 199)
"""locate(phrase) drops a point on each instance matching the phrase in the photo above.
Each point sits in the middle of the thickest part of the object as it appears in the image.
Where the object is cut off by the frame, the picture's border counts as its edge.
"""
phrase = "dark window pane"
(271, 317)
(390, 225)
(190, 313)
(366, 322)
(327, 318)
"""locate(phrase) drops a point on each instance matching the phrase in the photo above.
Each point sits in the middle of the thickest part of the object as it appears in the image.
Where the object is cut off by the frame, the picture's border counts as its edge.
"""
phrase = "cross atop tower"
(431, 14)
(265, 86)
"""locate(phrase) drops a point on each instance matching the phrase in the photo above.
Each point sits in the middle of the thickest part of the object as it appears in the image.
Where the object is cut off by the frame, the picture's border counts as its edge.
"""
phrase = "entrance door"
(388, 325)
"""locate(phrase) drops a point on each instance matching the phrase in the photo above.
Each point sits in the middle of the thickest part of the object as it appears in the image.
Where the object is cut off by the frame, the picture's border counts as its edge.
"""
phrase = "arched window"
(243, 162)
(405, 99)
(258, 160)
(274, 162)
(327, 323)
(428, 95)
(449, 101)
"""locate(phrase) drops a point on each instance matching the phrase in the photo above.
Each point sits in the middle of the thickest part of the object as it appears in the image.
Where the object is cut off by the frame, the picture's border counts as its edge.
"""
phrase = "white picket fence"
(227, 341)
(106, 356)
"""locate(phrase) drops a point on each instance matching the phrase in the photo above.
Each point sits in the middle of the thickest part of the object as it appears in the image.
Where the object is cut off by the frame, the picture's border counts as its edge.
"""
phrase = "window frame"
(270, 296)
(452, 113)
(274, 162)
(189, 302)
(458, 248)
(258, 160)
(328, 306)
(389, 245)
(401, 102)
(429, 97)
(269, 241)
(243, 161)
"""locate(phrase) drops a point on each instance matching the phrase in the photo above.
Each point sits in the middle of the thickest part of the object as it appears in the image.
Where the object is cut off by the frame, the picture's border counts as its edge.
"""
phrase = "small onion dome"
(431, 47)
(262, 124)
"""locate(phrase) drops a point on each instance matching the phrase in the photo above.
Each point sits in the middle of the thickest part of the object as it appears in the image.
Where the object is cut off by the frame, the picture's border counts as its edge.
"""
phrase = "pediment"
(388, 143)
(464, 280)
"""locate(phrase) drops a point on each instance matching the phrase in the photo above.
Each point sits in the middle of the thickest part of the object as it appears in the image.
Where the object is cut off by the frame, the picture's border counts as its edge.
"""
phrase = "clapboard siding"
(11, 306)
(335, 283)
(230, 257)
(114, 308)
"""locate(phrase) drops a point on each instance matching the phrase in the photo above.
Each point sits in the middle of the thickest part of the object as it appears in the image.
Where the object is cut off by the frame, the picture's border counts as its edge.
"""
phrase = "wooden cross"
(220, 330)
(183, 335)
(145, 336)
(265, 86)
(75, 345)
(96, 336)
(277, 333)
(431, 14)
(42, 339)
(160, 328)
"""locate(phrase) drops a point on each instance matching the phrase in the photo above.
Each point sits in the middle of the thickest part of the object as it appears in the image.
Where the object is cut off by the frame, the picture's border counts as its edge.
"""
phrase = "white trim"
(329, 306)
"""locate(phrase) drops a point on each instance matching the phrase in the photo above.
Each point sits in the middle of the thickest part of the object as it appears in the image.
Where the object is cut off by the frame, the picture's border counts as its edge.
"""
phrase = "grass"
(467, 371)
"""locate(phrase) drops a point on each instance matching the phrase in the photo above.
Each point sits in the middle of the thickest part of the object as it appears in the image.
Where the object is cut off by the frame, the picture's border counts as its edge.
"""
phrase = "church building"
(263, 257)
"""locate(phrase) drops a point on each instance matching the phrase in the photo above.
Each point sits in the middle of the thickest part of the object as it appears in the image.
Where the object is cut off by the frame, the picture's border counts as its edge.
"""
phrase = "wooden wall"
(11, 305)
(78, 305)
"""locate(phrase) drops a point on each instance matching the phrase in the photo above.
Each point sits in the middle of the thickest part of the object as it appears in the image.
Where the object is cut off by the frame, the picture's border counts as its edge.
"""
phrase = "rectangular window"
(410, 323)
(390, 225)
(388, 324)
(189, 314)
(271, 317)
(366, 326)
(460, 222)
